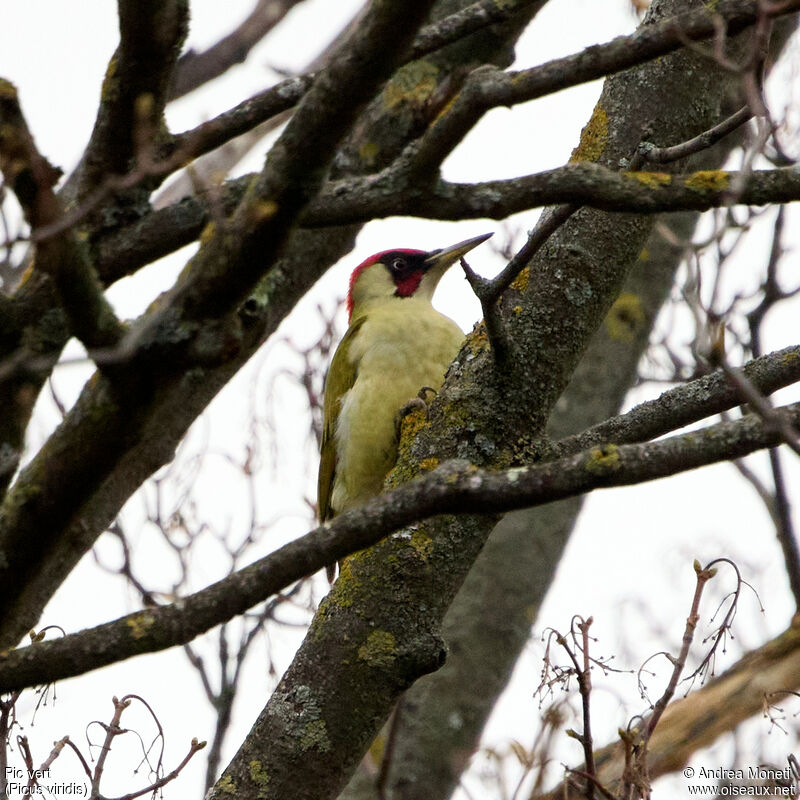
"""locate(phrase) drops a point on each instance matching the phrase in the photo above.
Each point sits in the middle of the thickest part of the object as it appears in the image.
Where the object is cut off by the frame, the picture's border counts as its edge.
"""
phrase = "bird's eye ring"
(398, 264)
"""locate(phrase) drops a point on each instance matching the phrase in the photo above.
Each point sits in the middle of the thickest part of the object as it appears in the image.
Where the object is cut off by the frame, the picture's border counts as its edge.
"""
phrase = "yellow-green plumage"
(395, 345)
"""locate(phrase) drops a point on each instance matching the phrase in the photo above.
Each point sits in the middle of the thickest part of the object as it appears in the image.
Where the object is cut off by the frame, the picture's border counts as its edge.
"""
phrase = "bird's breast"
(394, 356)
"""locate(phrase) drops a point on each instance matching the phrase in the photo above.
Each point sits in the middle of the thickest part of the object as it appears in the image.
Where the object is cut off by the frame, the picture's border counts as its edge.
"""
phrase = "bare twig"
(113, 730)
(665, 155)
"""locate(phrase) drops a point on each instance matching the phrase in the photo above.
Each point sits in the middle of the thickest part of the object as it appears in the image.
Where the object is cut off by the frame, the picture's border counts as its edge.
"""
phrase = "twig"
(585, 688)
(112, 730)
(548, 225)
(489, 292)
(664, 155)
(636, 772)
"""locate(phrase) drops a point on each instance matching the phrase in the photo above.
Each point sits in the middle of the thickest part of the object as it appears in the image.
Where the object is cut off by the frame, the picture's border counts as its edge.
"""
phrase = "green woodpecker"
(397, 343)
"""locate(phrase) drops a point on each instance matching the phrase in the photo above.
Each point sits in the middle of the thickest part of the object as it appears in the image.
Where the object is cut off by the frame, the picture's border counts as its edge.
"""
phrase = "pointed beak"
(443, 258)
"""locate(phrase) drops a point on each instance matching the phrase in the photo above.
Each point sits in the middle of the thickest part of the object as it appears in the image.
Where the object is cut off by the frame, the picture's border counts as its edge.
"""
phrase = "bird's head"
(403, 273)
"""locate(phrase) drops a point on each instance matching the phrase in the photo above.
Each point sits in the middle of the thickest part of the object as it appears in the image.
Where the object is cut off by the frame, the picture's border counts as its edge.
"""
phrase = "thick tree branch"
(451, 488)
(128, 118)
(390, 194)
(465, 22)
(135, 87)
(584, 183)
(362, 199)
(277, 100)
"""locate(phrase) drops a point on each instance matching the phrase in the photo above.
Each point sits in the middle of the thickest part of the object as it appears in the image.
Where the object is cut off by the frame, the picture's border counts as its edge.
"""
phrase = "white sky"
(633, 548)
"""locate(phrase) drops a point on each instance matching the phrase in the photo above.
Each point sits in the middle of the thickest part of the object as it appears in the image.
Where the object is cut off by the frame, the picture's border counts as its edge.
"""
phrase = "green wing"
(345, 376)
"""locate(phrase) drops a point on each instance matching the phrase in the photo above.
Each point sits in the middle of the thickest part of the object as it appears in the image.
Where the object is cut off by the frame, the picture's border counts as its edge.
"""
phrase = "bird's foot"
(418, 403)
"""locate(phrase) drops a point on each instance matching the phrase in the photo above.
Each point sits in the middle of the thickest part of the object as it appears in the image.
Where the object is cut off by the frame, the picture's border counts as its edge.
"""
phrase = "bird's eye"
(398, 264)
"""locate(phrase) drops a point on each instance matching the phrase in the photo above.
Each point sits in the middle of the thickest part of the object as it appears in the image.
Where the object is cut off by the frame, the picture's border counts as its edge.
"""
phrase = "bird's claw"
(420, 402)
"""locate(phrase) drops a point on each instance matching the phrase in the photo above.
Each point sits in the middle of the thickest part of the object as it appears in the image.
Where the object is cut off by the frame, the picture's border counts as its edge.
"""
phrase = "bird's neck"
(368, 305)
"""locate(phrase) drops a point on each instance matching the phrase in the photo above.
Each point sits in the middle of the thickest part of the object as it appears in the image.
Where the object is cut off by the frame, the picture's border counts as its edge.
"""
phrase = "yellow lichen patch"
(602, 460)
(144, 105)
(412, 84)
(260, 777)
(26, 275)
(140, 624)
(478, 339)
(422, 543)
(520, 283)
(226, 785)
(625, 318)
(788, 358)
(594, 137)
(263, 210)
(644, 255)
(427, 464)
(110, 89)
(315, 736)
(651, 179)
(369, 152)
(380, 649)
(346, 588)
(377, 749)
(708, 180)
(516, 311)
(7, 90)
(208, 232)
(412, 424)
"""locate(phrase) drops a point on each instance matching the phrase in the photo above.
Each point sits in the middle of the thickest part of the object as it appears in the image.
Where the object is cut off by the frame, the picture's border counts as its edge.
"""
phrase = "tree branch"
(228, 267)
(583, 183)
(387, 194)
(683, 405)
(135, 86)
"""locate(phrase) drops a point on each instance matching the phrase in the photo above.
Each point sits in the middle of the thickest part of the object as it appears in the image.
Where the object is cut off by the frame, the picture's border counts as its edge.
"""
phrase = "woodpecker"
(396, 345)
